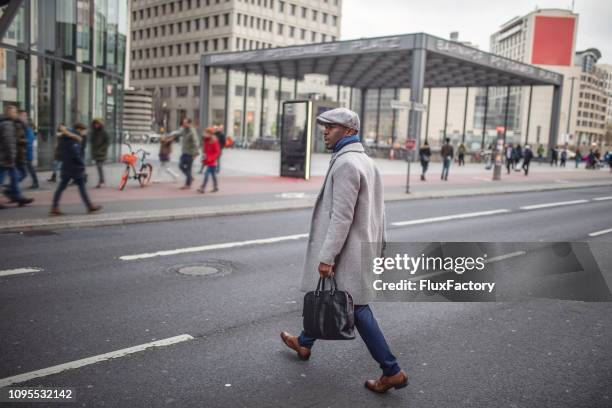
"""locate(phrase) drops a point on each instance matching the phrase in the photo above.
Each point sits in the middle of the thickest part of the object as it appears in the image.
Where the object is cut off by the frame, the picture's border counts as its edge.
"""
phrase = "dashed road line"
(91, 360)
(598, 233)
(557, 204)
(19, 271)
(449, 217)
(213, 247)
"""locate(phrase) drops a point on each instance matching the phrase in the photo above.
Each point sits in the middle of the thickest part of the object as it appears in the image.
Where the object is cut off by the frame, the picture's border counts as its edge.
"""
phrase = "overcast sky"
(475, 20)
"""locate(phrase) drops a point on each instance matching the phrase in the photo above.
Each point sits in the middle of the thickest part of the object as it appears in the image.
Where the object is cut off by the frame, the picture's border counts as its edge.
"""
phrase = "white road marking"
(19, 271)
(213, 247)
(597, 233)
(602, 198)
(91, 360)
(449, 217)
(558, 204)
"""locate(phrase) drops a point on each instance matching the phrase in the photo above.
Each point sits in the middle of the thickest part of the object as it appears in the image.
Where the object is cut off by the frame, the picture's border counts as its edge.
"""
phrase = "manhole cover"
(199, 270)
(212, 267)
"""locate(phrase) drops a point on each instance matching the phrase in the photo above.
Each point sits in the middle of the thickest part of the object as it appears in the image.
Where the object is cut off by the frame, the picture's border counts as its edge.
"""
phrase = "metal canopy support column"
(204, 97)
(569, 109)
(350, 104)
(9, 14)
(226, 124)
(484, 119)
(362, 113)
(417, 80)
(278, 105)
(528, 114)
(554, 117)
(467, 93)
(378, 115)
(427, 122)
(244, 106)
(506, 112)
(338, 94)
(394, 119)
(446, 114)
(295, 89)
(261, 115)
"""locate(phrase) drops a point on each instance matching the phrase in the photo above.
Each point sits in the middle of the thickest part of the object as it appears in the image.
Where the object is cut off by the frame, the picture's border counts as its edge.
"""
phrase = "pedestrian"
(527, 156)
(222, 140)
(189, 150)
(57, 160)
(591, 160)
(554, 156)
(30, 139)
(509, 155)
(12, 154)
(349, 211)
(73, 167)
(518, 156)
(541, 154)
(461, 153)
(578, 157)
(447, 154)
(99, 148)
(424, 156)
(165, 153)
(563, 157)
(211, 151)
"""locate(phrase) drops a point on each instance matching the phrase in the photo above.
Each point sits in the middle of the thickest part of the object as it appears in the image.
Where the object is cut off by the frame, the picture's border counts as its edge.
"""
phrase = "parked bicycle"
(131, 159)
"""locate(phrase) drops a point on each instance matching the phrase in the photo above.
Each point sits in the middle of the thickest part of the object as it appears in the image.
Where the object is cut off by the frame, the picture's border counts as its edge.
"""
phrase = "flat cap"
(340, 116)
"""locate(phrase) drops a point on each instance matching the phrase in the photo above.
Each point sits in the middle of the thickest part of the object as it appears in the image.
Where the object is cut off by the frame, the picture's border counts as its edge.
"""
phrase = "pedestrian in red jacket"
(212, 151)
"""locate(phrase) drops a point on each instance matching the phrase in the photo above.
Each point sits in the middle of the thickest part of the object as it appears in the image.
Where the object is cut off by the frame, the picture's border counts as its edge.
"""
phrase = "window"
(181, 91)
(281, 7)
(225, 43)
(226, 18)
(218, 90)
(205, 45)
(280, 29)
(313, 37)
(156, 11)
(196, 24)
(237, 43)
(293, 9)
(238, 17)
(178, 49)
(291, 31)
(335, 20)
(215, 44)
(324, 18)
(196, 47)
(196, 90)
(205, 22)
(170, 50)
(304, 12)
(196, 70)
(216, 21)
(162, 51)
(314, 15)
(187, 48)
(179, 27)
(239, 90)
(155, 32)
(303, 34)
(252, 91)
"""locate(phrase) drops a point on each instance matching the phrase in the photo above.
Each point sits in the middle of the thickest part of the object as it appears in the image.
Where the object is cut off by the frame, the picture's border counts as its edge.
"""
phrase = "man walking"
(527, 156)
(10, 157)
(447, 154)
(73, 167)
(30, 138)
(349, 211)
(99, 148)
(189, 151)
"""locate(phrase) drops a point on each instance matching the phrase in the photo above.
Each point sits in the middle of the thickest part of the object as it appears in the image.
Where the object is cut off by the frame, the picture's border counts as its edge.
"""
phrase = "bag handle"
(321, 285)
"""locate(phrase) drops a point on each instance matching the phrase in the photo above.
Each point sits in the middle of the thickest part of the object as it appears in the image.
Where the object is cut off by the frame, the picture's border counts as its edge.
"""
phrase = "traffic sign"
(410, 144)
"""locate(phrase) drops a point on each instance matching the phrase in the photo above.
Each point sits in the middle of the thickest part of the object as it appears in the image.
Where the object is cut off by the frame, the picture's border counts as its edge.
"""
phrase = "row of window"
(182, 26)
(215, 44)
(594, 97)
(171, 7)
(591, 115)
(585, 123)
(166, 72)
(184, 5)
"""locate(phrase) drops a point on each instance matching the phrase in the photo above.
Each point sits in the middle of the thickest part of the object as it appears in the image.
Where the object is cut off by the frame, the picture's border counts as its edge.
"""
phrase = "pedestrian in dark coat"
(73, 167)
(527, 157)
(99, 148)
(424, 157)
(12, 153)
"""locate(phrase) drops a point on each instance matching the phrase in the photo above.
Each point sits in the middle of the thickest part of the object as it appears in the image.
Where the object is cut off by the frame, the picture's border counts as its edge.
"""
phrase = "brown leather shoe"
(94, 208)
(292, 342)
(55, 212)
(383, 384)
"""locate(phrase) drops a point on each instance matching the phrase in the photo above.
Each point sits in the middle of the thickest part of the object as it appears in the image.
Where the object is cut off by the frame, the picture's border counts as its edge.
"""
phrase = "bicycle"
(130, 159)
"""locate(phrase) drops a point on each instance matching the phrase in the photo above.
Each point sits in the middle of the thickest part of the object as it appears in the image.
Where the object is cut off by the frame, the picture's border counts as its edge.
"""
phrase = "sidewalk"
(249, 182)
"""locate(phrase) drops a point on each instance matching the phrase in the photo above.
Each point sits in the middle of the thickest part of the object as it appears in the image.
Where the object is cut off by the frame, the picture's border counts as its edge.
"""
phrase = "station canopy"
(386, 62)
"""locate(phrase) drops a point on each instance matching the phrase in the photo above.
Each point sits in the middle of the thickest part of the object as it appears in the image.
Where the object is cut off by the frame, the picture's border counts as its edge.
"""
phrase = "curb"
(136, 217)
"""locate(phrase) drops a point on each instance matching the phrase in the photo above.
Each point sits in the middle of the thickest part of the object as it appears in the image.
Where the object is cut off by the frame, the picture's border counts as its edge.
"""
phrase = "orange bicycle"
(130, 159)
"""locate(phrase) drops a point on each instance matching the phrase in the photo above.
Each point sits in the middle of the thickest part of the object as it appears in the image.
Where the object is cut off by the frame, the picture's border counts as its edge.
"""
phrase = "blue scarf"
(345, 141)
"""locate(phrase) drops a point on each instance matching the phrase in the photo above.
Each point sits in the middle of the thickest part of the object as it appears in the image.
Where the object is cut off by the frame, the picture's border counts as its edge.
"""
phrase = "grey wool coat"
(349, 211)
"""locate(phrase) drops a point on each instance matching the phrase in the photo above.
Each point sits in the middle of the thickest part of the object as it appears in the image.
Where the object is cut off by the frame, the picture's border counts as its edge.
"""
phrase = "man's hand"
(325, 270)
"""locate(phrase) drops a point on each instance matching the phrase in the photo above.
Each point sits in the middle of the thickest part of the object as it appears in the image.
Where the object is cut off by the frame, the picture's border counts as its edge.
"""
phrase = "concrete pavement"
(249, 183)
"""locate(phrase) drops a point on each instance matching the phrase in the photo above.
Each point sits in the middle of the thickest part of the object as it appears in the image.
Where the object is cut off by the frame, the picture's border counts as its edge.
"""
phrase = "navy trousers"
(372, 336)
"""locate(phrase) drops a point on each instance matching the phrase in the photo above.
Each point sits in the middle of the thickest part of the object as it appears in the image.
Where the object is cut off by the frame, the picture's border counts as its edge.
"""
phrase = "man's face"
(332, 133)
(185, 123)
(11, 112)
(23, 116)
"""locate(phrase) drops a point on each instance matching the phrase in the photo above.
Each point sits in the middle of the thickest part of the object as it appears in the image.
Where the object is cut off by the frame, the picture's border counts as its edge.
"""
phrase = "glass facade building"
(63, 61)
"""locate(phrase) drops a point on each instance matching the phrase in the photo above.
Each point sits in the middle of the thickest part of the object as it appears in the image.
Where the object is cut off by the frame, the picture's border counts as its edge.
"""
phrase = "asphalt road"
(87, 300)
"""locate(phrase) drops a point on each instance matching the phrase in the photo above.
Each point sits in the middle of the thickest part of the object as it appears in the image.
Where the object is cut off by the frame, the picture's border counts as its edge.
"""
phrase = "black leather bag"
(329, 314)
